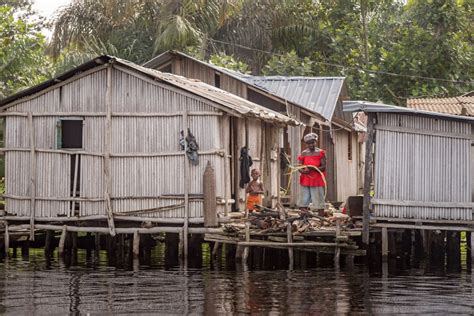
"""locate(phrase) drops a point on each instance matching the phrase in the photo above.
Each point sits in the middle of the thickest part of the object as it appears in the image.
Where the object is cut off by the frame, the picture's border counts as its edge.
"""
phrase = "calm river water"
(35, 285)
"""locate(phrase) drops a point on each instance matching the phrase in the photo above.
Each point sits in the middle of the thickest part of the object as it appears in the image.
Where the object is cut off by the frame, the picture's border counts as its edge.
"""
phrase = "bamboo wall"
(146, 161)
(422, 168)
(347, 169)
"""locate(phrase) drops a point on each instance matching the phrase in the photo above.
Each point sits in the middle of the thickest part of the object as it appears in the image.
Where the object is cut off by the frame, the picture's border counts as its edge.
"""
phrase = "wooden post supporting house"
(136, 244)
(32, 176)
(209, 203)
(368, 178)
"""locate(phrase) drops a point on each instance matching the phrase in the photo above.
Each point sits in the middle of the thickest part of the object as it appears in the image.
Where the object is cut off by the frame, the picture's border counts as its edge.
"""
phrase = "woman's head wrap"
(310, 137)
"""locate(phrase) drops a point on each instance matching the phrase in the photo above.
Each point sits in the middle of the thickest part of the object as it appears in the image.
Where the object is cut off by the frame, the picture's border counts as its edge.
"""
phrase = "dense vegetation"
(389, 50)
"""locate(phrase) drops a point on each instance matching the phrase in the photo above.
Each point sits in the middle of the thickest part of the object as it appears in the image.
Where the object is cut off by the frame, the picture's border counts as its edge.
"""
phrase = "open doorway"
(70, 137)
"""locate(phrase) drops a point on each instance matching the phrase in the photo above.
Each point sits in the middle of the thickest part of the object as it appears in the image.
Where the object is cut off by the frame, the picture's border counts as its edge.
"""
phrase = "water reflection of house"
(102, 141)
(315, 101)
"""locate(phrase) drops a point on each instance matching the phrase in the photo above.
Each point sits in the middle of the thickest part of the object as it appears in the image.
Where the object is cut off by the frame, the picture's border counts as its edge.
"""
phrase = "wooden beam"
(419, 131)
(423, 203)
(55, 86)
(368, 177)
(422, 220)
(113, 114)
(117, 217)
(76, 170)
(31, 129)
(220, 152)
(186, 188)
(108, 148)
(119, 230)
(424, 227)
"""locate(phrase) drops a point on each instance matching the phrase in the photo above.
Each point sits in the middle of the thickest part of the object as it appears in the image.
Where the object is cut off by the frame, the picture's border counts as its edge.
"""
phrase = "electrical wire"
(349, 67)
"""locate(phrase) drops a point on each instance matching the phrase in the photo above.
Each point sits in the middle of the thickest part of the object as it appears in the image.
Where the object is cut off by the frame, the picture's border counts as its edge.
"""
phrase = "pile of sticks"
(301, 221)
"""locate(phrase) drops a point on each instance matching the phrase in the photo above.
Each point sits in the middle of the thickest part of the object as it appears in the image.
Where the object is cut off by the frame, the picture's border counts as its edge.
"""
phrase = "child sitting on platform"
(254, 191)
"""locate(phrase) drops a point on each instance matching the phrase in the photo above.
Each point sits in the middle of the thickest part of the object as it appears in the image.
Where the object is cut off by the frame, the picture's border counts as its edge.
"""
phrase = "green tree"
(22, 59)
(124, 28)
(288, 64)
(229, 62)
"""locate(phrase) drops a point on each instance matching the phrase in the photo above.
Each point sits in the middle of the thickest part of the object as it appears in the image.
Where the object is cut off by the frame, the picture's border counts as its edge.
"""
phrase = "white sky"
(47, 8)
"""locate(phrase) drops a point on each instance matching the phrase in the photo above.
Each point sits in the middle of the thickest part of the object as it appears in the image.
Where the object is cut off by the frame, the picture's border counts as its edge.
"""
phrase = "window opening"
(217, 80)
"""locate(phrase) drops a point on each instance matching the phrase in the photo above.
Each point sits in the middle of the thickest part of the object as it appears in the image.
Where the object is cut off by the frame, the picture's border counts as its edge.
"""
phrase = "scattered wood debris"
(276, 220)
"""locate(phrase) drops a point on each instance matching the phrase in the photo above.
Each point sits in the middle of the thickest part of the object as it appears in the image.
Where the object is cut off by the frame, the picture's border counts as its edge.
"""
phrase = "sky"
(47, 7)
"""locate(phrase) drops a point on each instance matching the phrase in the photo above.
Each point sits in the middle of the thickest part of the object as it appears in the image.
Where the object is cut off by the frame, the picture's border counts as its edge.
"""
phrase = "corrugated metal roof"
(215, 94)
(353, 106)
(317, 94)
(230, 101)
(462, 105)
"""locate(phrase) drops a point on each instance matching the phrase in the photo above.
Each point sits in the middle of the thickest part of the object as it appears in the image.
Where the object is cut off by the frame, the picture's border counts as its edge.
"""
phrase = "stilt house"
(103, 141)
(423, 164)
(315, 101)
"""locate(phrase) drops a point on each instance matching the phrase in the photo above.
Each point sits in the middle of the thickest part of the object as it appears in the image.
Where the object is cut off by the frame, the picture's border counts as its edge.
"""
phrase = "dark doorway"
(70, 137)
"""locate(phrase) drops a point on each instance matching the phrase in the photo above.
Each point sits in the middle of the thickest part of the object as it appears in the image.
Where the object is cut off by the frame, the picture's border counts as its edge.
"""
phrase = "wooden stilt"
(337, 251)
(7, 239)
(453, 250)
(136, 244)
(471, 244)
(384, 244)
(289, 237)
(171, 249)
(62, 240)
(48, 243)
(25, 248)
(368, 177)
(74, 241)
(181, 244)
(239, 252)
(247, 239)
(97, 242)
(215, 249)
(349, 260)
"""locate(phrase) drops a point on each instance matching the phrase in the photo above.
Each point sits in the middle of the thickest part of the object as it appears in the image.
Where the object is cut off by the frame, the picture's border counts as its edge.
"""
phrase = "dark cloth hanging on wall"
(245, 164)
(191, 146)
(284, 159)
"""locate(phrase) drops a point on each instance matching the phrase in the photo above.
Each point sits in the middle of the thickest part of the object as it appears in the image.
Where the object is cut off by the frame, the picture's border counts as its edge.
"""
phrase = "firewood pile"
(276, 220)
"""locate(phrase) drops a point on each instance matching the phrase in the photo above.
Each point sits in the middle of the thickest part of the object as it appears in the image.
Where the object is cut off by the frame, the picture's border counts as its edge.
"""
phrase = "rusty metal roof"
(229, 101)
(365, 106)
(462, 105)
(316, 94)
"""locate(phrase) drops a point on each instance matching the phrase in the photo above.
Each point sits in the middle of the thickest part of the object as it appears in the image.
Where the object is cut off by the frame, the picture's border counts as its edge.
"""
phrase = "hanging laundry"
(245, 164)
(182, 142)
(192, 148)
